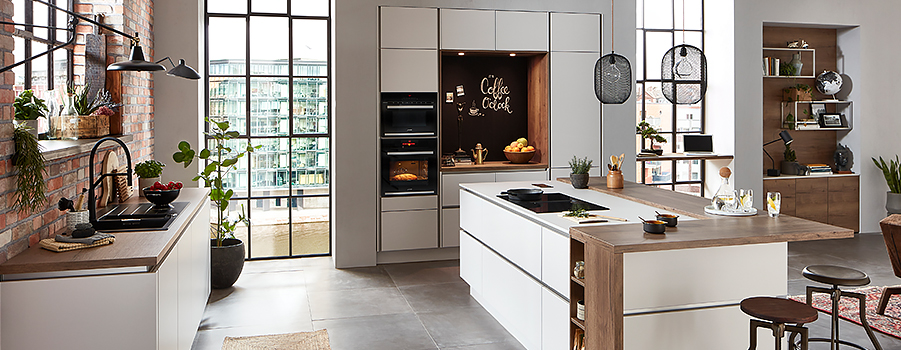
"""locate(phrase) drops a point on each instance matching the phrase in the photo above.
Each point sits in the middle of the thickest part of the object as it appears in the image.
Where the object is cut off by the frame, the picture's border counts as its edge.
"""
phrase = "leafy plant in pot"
(579, 175)
(648, 132)
(790, 165)
(227, 254)
(30, 186)
(148, 172)
(29, 109)
(892, 173)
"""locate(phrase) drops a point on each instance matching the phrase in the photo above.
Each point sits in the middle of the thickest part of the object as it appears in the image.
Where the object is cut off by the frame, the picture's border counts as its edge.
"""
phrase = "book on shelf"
(771, 66)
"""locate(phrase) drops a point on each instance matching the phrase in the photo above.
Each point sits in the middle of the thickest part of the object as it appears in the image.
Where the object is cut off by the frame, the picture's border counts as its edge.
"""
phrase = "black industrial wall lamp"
(135, 62)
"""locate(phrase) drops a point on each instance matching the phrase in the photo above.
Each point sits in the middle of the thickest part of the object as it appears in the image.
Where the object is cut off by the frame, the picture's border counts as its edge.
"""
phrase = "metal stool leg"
(863, 316)
(836, 295)
(798, 329)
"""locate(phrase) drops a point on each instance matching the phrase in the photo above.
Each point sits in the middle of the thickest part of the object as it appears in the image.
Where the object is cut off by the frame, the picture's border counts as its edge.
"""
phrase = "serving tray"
(711, 210)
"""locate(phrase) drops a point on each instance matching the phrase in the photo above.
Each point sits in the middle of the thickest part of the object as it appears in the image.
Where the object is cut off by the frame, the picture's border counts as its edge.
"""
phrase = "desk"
(649, 174)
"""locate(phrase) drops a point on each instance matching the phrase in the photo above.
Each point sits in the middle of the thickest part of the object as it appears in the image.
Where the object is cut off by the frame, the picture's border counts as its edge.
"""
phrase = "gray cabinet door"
(416, 229)
(575, 110)
(467, 29)
(409, 28)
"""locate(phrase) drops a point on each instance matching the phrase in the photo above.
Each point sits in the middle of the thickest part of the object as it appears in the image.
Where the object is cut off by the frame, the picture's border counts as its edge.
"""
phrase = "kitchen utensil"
(519, 157)
(160, 198)
(125, 191)
(653, 226)
(619, 166)
(524, 194)
(65, 204)
(80, 202)
(614, 161)
(542, 185)
(611, 218)
(110, 164)
(479, 154)
(671, 220)
(609, 167)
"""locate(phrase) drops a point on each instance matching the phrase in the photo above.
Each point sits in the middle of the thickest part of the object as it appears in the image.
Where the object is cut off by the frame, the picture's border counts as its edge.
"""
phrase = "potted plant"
(648, 132)
(892, 175)
(93, 110)
(797, 92)
(227, 254)
(30, 185)
(28, 109)
(790, 165)
(579, 175)
(148, 172)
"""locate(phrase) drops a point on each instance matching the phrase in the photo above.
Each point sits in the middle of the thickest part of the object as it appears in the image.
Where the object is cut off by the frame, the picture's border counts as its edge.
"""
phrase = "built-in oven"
(409, 114)
(409, 167)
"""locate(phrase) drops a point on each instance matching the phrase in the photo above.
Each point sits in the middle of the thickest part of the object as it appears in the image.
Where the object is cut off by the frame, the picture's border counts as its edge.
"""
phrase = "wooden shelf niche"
(488, 80)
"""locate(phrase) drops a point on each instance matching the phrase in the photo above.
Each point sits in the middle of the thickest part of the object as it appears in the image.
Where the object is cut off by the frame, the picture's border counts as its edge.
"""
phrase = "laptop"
(698, 145)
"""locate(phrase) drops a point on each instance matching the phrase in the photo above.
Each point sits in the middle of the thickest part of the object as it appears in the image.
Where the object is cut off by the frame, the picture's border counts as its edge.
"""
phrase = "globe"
(829, 82)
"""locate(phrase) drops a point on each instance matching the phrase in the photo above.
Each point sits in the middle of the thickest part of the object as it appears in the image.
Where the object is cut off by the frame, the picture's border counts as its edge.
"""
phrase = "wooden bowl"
(519, 157)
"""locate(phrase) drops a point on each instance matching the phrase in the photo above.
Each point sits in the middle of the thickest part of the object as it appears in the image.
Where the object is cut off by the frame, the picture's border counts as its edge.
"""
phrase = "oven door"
(409, 114)
(410, 170)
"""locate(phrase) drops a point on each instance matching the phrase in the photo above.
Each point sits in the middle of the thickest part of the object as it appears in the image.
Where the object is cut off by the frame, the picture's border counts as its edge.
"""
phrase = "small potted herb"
(648, 132)
(148, 173)
(579, 175)
(29, 109)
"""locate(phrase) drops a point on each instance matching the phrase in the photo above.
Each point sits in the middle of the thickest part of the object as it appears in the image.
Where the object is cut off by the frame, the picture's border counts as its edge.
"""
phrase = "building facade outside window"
(279, 101)
(662, 24)
(52, 71)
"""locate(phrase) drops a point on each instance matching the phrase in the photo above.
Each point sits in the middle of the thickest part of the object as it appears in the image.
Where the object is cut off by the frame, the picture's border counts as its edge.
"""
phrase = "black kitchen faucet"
(92, 204)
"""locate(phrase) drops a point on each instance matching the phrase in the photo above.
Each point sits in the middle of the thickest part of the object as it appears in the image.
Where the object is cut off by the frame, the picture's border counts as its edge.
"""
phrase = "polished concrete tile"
(383, 332)
(424, 272)
(439, 296)
(464, 326)
(331, 279)
(259, 299)
(357, 302)
(511, 345)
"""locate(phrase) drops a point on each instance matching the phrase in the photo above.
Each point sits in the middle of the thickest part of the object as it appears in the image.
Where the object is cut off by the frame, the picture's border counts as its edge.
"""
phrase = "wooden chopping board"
(125, 191)
(110, 165)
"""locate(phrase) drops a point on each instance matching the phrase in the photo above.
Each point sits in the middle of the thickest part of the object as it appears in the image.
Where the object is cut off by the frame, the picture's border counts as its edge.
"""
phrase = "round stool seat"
(836, 275)
(778, 310)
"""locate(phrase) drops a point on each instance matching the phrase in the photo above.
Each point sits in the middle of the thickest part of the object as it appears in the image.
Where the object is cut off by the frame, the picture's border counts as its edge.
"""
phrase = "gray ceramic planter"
(893, 203)
(226, 262)
(579, 180)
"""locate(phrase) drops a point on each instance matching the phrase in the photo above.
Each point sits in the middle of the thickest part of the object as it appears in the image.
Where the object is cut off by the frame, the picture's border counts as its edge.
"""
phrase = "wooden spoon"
(621, 158)
(614, 161)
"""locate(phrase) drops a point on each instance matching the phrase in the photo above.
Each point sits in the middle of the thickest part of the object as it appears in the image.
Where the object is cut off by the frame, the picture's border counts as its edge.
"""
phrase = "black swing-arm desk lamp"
(787, 139)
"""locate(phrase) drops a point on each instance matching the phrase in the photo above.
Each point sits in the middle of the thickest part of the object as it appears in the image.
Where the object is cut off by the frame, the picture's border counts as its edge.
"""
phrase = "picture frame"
(460, 91)
(449, 97)
(832, 120)
(816, 109)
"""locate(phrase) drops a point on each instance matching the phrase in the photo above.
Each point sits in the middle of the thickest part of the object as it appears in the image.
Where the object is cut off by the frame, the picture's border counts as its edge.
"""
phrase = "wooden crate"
(93, 126)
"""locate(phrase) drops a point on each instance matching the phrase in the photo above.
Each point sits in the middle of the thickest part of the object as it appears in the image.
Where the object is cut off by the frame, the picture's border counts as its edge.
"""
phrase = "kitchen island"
(679, 290)
(147, 290)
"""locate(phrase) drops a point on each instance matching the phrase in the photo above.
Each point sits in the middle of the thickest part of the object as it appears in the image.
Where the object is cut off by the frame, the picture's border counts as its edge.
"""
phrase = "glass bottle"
(724, 198)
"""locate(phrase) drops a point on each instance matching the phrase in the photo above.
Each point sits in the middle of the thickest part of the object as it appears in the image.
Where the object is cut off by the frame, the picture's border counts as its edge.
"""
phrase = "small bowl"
(671, 219)
(654, 226)
(519, 157)
(160, 198)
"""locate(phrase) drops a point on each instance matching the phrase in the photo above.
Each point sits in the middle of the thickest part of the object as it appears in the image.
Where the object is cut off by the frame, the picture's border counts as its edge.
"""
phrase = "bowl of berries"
(162, 194)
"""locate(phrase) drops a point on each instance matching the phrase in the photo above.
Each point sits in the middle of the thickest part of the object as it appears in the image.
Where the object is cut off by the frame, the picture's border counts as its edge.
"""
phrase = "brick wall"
(67, 176)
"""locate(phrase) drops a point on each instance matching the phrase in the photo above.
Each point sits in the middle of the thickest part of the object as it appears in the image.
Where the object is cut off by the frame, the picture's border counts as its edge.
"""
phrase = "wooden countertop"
(715, 232)
(492, 166)
(131, 249)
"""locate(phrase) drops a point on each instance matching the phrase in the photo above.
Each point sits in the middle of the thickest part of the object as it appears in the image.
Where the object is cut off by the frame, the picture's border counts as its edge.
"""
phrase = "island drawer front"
(555, 266)
(415, 229)
(554, 321)
(450, 185)
(670, 279)
(409, 203)
(513, 298)
(471, 262)
(713, 328)
(513, 236)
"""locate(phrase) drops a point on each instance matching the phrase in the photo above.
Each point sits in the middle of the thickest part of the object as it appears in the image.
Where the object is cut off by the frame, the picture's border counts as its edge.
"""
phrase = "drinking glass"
(746, 199)
(773, 203)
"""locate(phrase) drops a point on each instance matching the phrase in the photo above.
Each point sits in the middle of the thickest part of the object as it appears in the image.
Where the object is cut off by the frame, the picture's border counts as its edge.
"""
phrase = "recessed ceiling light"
(512, 55)
(460, 53)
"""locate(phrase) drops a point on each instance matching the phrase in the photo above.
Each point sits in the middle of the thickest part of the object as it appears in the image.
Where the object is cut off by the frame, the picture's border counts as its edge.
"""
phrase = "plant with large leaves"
(220, 161)
(891, 171)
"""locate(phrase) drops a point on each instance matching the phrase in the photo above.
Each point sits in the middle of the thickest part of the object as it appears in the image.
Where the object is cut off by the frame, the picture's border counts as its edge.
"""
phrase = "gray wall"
(868, 54)
(355, 109)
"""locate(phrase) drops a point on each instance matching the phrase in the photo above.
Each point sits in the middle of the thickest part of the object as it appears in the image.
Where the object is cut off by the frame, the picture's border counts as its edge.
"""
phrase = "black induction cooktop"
(554, 203)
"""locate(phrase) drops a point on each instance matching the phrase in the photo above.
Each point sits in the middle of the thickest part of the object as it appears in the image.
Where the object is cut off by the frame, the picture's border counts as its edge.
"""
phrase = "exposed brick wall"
(67, 176)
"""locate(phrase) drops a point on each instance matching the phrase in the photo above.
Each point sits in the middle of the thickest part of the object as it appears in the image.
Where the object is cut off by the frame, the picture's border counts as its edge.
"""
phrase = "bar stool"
(840, 276)
(778, 312)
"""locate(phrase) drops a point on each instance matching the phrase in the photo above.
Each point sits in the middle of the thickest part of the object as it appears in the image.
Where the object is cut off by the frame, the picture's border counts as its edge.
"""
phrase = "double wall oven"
(409, 143)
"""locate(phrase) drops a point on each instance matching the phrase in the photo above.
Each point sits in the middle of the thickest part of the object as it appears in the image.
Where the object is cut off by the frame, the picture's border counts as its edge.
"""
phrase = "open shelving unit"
(576, 290)
(845, 108)
(784, 54)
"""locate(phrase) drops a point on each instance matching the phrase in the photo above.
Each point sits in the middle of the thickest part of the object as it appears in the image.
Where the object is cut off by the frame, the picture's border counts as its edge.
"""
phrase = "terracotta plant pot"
(226, 262)
(892, 203)
(615, 179)
(579, 180)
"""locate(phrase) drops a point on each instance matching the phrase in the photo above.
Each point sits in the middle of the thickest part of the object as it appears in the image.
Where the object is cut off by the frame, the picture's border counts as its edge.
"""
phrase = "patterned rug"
(848, 309)
(317, 340)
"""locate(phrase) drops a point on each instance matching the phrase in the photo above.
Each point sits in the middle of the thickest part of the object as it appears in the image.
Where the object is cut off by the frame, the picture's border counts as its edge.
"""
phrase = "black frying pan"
(524, 194)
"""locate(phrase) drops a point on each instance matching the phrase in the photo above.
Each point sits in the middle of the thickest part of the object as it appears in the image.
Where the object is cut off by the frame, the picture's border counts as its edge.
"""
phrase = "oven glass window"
(409, 170)
(407, 119)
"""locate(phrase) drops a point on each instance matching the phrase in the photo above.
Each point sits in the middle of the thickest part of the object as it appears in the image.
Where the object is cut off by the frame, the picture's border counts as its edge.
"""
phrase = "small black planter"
(579, 180)
(226, 262)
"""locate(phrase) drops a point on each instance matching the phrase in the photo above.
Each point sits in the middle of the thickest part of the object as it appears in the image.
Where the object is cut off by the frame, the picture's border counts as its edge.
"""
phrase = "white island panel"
(518, 240)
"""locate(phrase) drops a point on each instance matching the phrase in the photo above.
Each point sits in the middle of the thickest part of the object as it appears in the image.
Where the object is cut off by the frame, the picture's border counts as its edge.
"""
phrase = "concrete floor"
(427, 306)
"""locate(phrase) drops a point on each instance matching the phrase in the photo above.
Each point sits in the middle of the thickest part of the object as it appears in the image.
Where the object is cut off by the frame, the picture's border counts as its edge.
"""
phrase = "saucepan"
(524, 194)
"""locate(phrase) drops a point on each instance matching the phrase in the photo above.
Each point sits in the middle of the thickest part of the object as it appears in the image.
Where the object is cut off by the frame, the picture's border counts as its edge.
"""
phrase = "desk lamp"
(787, 139)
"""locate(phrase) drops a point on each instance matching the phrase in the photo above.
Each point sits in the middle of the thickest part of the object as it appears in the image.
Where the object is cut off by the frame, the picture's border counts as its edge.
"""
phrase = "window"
(662, 24)
(53, 70)
(268, 77)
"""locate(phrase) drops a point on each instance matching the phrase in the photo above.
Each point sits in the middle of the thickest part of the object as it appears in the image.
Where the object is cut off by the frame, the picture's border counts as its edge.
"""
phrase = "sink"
(137, 217)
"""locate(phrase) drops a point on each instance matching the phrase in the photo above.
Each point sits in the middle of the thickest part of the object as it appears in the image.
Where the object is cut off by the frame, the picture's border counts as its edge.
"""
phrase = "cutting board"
(125, 191)
(110, 165)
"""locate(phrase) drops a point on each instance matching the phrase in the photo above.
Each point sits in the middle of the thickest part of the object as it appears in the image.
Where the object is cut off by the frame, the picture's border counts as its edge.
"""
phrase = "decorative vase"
(144, 183)
(579, 180)
(796, 62)
(892, 203)
(615, 179)
(226, 262)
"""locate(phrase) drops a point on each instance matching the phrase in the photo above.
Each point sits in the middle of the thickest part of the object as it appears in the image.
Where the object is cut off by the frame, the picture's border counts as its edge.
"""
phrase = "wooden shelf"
(681, 156)
(578, 281)
(579, 323)
(790, 76)
(492, 166)
(787, 49)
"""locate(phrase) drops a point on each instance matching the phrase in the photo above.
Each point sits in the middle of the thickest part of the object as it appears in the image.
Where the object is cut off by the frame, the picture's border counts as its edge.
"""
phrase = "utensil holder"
(75, 218)
(615, 179)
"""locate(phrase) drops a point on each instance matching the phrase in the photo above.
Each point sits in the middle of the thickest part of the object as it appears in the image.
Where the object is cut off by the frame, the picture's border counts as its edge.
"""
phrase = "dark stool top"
(836, 275)
(778, 310)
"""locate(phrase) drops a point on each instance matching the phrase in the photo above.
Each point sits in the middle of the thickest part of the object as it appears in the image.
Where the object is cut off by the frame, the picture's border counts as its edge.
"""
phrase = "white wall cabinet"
(575, 32)
(409, 70)
(408, 28)
(521, 31)
(467, 29)
(575, 110)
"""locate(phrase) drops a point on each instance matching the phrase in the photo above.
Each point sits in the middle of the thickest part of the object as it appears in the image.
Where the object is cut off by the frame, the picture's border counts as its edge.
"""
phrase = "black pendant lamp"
(613, 75)
(181, 70)
(684, 74)
(136, 61)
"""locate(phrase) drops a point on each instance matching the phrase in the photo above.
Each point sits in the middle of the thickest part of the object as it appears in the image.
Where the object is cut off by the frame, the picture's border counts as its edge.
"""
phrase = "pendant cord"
(683, 22)
(612, 37)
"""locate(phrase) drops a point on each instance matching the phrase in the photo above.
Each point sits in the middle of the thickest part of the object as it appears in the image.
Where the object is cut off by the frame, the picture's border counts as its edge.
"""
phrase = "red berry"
(178, 185)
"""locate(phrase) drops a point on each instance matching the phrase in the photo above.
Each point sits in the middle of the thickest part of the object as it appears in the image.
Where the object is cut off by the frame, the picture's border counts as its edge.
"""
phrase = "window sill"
(58, 149)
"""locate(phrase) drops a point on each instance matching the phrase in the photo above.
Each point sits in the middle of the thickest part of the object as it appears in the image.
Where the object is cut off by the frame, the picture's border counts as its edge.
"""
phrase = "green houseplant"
(148, 172)
(790, 164)
(892, 173)
(579, 175)
(649, 133)
(28, 109)
(93, 110)
(227, 254)
(30, 185)
(797, 92)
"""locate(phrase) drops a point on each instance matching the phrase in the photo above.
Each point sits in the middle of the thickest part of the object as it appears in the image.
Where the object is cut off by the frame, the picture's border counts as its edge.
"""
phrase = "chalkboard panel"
(496, 90)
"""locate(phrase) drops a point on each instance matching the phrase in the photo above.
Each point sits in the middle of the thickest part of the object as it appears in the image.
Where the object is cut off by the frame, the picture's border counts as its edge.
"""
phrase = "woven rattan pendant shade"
(613, 79)
(684, 74)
